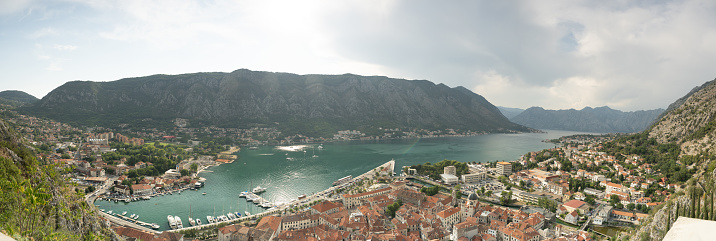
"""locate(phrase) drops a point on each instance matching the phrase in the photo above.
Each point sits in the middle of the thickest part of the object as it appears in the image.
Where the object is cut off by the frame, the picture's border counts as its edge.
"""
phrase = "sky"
(628, 55)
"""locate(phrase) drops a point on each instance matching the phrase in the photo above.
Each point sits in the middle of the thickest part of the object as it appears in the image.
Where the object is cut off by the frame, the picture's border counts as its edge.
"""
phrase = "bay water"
(288, 172)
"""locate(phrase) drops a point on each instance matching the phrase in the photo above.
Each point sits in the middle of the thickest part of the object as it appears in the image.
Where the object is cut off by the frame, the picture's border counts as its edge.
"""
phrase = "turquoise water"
(288, 174)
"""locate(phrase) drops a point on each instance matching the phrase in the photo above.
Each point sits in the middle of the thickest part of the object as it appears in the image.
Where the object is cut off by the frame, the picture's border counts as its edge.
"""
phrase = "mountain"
(600, 119)
(689, 127)
(16, 98)
(510, 112)
(308, 104)
(690, 120)
(36, 202)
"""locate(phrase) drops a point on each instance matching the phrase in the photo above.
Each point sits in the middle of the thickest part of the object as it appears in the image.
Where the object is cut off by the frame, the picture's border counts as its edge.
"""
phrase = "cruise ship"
(342, 180)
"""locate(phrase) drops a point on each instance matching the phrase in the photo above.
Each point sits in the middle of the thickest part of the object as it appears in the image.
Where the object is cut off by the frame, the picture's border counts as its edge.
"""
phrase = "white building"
(449, 179)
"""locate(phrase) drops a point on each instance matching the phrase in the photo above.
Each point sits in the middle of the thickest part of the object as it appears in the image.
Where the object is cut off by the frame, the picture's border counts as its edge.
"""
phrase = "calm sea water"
(288, 173)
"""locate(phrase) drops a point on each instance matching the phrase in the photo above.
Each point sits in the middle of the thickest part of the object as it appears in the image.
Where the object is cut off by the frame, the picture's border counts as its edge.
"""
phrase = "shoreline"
(308, 199)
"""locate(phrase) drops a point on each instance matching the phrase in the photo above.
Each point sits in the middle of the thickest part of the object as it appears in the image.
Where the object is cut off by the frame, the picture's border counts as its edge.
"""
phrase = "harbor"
(306, 174)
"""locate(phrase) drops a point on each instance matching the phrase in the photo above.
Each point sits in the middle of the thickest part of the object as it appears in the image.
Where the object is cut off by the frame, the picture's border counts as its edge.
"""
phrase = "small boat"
(154, 226)
(204, 193)
(210, 219)
(132, 216)
(238, 214)
(109, 212)
(198, 221)
(136, 217)
(192, 222)
(124, 213)
(101, 210)
(231, 216)
(247, 213)
(244, 194)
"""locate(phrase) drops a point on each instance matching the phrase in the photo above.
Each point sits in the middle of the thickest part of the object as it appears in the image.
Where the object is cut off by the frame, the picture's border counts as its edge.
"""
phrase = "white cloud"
(8, 7)
(44, 32)
(64, 47)
(557, 54)
(54, 67)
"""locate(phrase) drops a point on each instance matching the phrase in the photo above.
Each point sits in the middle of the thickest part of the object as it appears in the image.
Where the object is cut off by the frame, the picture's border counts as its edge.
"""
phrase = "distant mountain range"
(510, 112)
(308, 104)
(600, 119)
(16, 98)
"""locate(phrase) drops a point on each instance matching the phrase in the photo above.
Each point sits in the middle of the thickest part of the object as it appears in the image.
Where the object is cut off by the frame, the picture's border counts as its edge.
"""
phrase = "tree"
(194, 167)
(89, 189)
(506, 198)
(614, 199)
(392, 208)
(590, 199)
(631, 206)
(619, 206)
(184, 172)
(430, 190)
(126, 182)
(489, 193)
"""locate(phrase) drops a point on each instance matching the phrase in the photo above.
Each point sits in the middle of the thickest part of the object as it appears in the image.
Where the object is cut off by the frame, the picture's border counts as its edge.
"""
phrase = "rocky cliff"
(689, 123)
(600, 119)
(244, 98)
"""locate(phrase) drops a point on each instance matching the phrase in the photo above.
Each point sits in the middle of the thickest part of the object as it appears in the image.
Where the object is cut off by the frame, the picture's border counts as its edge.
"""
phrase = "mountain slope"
(600, 119)
(690, 125)
(510, 112)
(16, 98)
(35, 200)
(312, 103)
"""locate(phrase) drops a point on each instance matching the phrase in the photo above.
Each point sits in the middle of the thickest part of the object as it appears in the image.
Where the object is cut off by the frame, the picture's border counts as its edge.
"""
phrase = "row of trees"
(434, 170)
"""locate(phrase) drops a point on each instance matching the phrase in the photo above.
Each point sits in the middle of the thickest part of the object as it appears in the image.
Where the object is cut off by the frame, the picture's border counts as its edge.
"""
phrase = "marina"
(227, 186)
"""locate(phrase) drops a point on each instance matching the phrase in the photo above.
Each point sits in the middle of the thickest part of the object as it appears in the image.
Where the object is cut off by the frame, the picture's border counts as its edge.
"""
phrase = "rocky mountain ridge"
(244, 98)
(689, 123)
(599, 120)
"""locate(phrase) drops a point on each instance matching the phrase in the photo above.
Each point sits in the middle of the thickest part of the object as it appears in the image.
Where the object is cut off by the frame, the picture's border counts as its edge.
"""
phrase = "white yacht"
(198, 221)
(244, 194)
(179, 223)
(247, 213)
(192, 222)
(154, 226)
(258, 189)
(210, 219)
(124, 213)
(172, 222)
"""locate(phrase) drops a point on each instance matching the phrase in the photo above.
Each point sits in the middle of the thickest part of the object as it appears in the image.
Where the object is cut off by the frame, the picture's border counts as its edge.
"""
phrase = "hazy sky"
(629, 55)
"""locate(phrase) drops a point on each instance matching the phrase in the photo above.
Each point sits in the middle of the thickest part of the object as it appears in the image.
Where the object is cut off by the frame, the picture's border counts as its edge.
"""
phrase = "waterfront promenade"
(309, 199)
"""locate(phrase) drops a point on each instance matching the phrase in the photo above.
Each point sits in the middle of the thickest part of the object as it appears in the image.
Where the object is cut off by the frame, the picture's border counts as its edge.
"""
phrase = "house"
(572, 217)
(449, 216)
(325, 207)
(141, 189)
